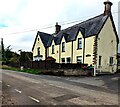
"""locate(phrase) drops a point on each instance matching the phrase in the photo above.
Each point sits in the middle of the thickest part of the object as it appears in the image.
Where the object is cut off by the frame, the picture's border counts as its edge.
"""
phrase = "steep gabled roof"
(87, 28)
(93, 26)
(45, 38)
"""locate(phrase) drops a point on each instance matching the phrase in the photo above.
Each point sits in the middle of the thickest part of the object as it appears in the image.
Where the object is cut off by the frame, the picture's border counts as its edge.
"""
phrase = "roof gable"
(45, 38)
(93, 26)
(114, 28)
(88, 28)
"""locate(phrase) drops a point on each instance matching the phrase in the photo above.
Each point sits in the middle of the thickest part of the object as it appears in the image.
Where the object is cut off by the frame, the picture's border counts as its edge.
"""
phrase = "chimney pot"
(108, 5)
(57, 28)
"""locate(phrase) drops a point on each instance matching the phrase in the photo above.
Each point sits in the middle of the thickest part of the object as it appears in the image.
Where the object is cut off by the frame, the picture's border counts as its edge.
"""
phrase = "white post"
(94, 71)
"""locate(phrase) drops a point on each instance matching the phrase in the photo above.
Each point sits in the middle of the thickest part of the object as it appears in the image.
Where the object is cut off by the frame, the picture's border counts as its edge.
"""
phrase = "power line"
(47, 27)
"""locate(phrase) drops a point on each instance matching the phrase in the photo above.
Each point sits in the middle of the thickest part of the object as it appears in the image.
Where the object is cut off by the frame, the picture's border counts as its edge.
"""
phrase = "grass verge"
(31, 71)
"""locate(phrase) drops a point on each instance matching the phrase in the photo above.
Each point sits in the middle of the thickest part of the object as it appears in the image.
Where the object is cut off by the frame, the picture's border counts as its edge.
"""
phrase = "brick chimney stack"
(57, 28)
(108, 5)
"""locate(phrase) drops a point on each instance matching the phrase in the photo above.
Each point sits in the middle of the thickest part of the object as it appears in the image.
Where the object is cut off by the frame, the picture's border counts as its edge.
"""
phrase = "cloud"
(18, 15)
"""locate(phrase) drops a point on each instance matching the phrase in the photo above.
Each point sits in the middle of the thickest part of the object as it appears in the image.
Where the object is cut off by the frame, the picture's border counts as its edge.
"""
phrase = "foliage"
(25, 56)
(2, 51)
(31, 71)
(7, 55)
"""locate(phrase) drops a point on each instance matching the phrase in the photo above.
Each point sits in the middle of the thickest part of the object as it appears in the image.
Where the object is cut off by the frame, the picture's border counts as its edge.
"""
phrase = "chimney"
(108, 5)
(57, 28)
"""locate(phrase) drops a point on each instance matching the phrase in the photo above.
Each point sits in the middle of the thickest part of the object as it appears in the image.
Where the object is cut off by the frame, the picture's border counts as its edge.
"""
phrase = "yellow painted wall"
(68, 48)
(89, 42)
(42, 48)
(107, 47)
(76, 51)
(56, 51)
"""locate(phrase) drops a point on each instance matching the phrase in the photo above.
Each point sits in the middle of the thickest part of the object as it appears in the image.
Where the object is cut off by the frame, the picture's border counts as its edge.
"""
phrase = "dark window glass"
(38, 50)
(68, 60)
(63, 46)
(63, 60)
(79, 59)
(111, 60)
(53, 50)
(79, 43)
(100, 60)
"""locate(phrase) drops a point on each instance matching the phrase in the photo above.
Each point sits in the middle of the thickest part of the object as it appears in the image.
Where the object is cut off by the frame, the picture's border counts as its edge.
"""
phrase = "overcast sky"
(21, 19)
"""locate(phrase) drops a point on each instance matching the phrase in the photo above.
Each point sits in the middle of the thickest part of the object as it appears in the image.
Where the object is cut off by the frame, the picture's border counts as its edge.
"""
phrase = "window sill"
(79, 48)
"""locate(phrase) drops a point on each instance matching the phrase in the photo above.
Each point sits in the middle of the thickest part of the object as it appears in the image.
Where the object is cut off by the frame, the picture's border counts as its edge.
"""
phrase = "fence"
(46, 65)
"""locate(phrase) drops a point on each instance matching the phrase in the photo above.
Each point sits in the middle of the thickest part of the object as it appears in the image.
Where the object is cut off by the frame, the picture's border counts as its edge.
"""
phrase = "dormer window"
(63, 46)
(79, 43)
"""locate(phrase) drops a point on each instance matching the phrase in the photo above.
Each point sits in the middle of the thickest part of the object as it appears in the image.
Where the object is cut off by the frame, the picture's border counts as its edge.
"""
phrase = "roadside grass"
(31, 71)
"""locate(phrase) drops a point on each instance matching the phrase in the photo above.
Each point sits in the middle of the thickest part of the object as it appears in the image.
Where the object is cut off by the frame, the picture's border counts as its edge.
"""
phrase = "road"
(27, 89)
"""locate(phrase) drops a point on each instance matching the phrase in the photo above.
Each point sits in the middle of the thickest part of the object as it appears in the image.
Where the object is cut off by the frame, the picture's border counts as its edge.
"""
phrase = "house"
(93, 42)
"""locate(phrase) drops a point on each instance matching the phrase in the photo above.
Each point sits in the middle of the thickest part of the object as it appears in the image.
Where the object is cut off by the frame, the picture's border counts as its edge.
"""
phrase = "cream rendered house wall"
(56, 51)
(68, 49)
(42, 48)
(107, 47)
(76, 51)
(89, 42)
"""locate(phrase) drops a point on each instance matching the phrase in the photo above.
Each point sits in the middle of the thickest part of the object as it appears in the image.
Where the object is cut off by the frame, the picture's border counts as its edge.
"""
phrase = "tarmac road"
(20, 88)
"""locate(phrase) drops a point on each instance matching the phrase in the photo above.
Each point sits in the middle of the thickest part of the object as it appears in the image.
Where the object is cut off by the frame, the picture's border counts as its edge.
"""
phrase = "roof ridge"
(44, 33)
(83, 22)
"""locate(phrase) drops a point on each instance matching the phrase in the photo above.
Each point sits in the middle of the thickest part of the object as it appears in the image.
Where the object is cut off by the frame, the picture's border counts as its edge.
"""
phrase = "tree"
(25, 56)
(15, 57)
(2, 51)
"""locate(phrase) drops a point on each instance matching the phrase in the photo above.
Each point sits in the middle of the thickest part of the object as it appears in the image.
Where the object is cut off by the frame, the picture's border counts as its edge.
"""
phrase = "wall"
(42, 48)
(107, 47)
(76, 51)
(68, 49)
(56, 51)
(89, 42)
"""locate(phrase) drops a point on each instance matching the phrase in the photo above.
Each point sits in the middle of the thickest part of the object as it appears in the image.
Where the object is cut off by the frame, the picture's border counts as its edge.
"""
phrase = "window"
(119, 61)
(79, 59)
(79, 43)
(53, 50)
(63, 46)
(111, 60)
(63, 60)
(100, 60)
(38, 50)
(38, 39)
(68, 60)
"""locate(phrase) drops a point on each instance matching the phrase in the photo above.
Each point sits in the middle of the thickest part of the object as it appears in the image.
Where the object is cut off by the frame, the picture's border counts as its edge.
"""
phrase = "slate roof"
(88, 28)
(45, 38)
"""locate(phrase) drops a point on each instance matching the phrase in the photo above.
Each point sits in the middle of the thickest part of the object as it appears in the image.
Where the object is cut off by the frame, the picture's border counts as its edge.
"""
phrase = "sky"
(21, 19)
